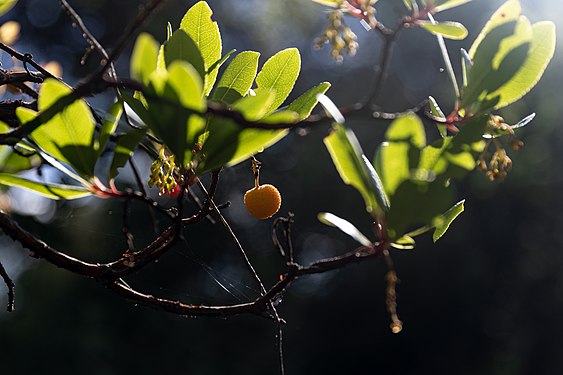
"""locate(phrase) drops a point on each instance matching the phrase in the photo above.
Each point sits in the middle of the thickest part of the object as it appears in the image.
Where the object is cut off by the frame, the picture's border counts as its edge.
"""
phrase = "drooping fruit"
(263, 201)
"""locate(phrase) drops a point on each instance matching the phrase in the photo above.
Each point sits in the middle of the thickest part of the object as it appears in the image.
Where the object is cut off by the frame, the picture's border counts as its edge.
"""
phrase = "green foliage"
(442, 222)
(448, 29)
(53, 191)
(143, 58)
(238, 78)
(509, 56)
(356, 170)
(405, 138)
(174, 114)
(304, 105)
(345, 226)
(69, 135)
(418, 177)
(205, 33)
(124, 148)
(441, 5)
(330, 3)
(6, 5)
(181, 47)
(278, 75)
(411, 188)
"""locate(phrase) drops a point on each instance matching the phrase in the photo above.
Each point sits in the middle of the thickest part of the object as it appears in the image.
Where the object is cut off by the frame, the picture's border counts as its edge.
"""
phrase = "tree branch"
(11, 286)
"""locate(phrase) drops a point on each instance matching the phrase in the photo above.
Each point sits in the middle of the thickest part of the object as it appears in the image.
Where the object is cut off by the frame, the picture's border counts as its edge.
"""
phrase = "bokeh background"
(486, 299)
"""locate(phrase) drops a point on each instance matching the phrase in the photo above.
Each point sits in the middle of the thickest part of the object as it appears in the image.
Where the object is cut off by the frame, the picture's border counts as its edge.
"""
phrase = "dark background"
(486, 299)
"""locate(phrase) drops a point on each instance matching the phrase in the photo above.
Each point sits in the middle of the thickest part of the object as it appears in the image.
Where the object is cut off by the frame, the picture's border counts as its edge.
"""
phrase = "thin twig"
(391, 293)
(11, 286)
(248, 264)
(139, 20)
(28, 59)
(90, 38)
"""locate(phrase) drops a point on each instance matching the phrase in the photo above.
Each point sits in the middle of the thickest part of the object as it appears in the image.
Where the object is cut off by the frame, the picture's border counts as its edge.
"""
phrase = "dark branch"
(11, 286)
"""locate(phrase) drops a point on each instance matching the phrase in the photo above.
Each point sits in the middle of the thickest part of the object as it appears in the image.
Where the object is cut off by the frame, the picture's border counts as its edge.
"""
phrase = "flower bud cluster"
(500, 164)
(164, 173)
(339, 36)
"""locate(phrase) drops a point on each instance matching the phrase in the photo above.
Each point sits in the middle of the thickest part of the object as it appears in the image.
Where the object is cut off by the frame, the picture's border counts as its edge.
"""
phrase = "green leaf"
(6, 5)
(345, 226)
(144, 57)
(443, 222)
(455, 152)
(110, 124)
(12, 162)
(404, 243)
(416, 204)
(173, 96)
(399, 154)
(69, 135)
(408, 4)
(509, 11)
(450, 30)
(498, 58)
(53, 191)
(442, 5)
(169, 30)
(540, 53)
(219, 63)
(228, 143)
(330, 3)
(305, 104)
(125, 147)
(278, 75)
(466, 64)
(436, 111)
(181, 47)
(283, 116)
(205, 33)
(255, 107)
(356, 170)
(237, 78)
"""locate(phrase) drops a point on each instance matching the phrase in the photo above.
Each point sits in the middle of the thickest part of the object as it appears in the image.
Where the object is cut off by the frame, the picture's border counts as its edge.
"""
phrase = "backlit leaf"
(305, 104)
(443, 222)
(450, 30)
(181, 47)
(278, 75)
(144, 57)
(237, 78)
(509, 11)
(345, 226)
(205, 33)
(399, 154)
(6, 5)
(69, 135)
(442, 5)
(540, 53)
(53, 191)
(356, 170)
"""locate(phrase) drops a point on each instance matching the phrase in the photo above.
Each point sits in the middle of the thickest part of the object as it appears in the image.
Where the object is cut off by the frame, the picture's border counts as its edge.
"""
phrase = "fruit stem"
(256, 170)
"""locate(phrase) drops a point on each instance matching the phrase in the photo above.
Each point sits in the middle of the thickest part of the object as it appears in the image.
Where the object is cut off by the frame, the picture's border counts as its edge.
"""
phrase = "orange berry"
(263, 201)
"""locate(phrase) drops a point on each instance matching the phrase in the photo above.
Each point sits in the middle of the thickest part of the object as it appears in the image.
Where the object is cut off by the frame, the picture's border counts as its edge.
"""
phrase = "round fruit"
(263, 201)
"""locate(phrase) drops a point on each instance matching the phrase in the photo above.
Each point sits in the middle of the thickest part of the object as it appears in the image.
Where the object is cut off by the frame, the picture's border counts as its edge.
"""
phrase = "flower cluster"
(164, 173)
(339, 36)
